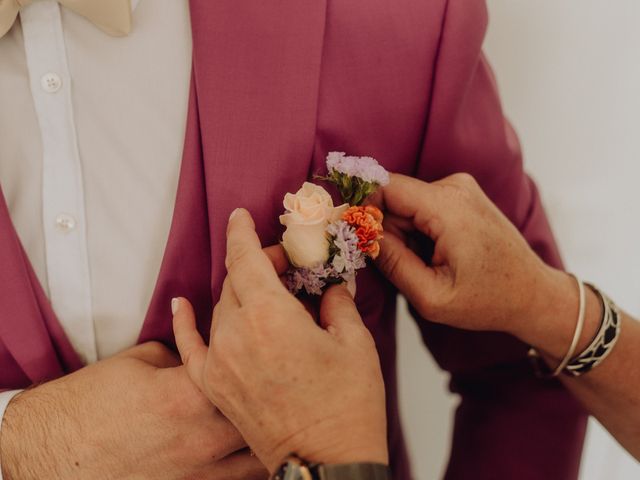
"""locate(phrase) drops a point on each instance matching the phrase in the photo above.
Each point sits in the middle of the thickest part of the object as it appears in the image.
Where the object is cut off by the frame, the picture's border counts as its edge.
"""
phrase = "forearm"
(28, 448)
(611, 391)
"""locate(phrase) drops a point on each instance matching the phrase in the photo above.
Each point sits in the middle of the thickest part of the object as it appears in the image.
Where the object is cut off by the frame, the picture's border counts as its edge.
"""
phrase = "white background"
(569, 76)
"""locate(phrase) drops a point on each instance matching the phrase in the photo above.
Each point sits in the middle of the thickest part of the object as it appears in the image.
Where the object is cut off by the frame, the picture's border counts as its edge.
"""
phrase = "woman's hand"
(287, 384)
(483, 274)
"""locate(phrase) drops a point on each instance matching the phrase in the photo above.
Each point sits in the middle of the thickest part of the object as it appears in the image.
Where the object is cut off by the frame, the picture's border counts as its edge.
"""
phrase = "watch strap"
(351, 471)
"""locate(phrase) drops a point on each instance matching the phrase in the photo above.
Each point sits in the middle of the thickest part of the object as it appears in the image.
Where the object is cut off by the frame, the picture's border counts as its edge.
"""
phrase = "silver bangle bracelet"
(542, 371)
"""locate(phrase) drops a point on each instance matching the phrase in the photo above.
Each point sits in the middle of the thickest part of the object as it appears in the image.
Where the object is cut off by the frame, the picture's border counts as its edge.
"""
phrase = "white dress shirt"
(91, 137)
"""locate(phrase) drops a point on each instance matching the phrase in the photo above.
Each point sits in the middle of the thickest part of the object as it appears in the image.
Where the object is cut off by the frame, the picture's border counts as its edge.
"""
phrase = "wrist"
(334, 443)
(296, 467)
(550, 322)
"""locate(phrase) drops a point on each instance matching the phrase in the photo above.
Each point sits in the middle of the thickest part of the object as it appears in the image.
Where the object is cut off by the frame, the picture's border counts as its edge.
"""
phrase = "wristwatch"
(295, 468)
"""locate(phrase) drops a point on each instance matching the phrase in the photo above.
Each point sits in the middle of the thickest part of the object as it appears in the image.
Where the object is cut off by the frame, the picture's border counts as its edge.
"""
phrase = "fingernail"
(233, 214)
(175, 304)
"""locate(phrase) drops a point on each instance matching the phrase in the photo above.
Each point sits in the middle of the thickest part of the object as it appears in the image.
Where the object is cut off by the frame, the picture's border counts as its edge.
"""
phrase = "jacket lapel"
(250, 138)
(28, 326)
(257, 70)
(186, 265)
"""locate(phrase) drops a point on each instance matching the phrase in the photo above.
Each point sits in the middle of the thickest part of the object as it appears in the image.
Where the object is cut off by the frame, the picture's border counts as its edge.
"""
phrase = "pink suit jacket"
(276, 85)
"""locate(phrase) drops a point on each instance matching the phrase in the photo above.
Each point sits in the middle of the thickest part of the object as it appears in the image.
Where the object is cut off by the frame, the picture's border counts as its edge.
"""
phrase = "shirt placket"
(63, 201)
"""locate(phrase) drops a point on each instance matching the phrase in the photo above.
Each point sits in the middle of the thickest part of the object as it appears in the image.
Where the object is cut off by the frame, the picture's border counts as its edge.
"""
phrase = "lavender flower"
(347, 257)
(355, 177)
(364, 168)
(311, 280)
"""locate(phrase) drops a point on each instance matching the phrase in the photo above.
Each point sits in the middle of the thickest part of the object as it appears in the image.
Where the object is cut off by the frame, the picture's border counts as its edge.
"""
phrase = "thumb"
(192, 348)
(408, 197)
(407, 271)
(338, 310)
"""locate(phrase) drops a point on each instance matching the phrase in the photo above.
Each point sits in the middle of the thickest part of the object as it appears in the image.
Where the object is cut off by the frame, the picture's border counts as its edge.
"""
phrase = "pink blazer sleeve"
(509, 424)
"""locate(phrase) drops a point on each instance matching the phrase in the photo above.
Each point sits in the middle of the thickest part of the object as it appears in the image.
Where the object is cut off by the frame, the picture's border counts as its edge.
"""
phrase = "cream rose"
(308, 213)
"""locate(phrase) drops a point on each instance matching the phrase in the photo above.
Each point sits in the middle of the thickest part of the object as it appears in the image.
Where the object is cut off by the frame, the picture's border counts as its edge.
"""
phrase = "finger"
(225, 439)
(352, 286)
(406, 271)
(192, 348)
(312, 305)
(399, 226)
(338, 310)
(153, 353)
(228, 297)
(278, 258)
(250, 270)
(227, 303)
(407, 197)
(240, 466)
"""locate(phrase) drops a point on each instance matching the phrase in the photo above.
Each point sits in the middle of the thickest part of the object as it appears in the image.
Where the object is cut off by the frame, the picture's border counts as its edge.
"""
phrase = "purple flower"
(311, 280)
(348, 257)
(365, 168)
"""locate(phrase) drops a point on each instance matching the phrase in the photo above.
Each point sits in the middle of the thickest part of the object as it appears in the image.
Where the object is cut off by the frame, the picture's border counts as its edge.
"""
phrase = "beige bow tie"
(111, 16)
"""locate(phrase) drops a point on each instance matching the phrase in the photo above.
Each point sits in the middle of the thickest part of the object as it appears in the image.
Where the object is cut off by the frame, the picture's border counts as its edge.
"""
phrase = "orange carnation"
(367, 222)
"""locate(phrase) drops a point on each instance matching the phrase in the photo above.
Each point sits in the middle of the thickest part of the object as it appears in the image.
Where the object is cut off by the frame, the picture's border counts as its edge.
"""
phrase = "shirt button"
(51, 82)
(65, 223)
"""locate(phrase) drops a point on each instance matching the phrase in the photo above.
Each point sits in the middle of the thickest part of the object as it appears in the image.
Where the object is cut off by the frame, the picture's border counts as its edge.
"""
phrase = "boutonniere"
(327, 244)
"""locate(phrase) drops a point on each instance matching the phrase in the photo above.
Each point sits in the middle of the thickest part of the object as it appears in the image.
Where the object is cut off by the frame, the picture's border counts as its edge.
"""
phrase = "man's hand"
(136, 415)
(286, 383)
